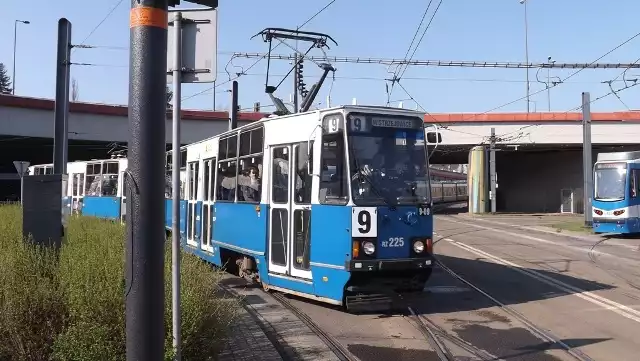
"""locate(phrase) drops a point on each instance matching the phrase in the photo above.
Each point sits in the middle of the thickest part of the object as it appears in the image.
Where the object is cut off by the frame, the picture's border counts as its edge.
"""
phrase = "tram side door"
(290, 212)
(193, 218)
(300, 186)
(280, 209)
(208, 206)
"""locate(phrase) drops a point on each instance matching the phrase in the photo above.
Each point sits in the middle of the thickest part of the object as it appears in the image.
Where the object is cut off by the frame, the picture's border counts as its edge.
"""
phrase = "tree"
(5, 80)
(169, 97)
(75, 90)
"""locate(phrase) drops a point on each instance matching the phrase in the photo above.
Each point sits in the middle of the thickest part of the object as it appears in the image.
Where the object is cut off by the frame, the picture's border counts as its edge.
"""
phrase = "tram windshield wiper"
(362, 176)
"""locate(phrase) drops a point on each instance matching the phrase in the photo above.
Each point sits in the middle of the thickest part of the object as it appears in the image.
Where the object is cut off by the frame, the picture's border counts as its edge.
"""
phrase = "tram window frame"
(90, 177)
(304, 171)
(280, 196)
(227, 164)
(108, 170)
(634, 183)
(341, 169)
(250, 148)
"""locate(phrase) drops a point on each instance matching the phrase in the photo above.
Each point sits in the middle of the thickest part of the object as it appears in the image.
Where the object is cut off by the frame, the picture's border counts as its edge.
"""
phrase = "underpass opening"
(533, 178)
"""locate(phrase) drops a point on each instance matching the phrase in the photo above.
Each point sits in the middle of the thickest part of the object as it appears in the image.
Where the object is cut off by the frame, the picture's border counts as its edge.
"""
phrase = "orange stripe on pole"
(148, 16)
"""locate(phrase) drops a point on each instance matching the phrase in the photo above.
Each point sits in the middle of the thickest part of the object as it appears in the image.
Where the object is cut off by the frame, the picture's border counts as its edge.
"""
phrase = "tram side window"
(280, 175)
(249, 182)
(109, 186)
(634, 184)
(227, 167)
(334, 175)
(92, 184)
(304, 163)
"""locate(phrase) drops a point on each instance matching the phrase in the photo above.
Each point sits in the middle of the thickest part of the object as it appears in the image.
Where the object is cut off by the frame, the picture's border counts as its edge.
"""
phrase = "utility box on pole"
(44, 215)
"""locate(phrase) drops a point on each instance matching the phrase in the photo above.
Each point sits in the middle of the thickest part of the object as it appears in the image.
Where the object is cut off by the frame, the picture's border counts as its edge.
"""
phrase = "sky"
(570, 31)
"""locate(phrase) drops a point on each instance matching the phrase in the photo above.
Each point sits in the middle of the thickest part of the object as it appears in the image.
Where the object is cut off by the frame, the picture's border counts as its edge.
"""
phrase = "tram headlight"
(368, 248)
(418, 246)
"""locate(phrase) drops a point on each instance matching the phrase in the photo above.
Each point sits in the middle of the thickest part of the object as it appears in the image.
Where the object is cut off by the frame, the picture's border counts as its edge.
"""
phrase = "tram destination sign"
(395, 123)
(611, 165)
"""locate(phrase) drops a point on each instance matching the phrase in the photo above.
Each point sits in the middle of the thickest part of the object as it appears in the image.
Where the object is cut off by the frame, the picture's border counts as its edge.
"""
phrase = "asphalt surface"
(581, 291)
(588, 297)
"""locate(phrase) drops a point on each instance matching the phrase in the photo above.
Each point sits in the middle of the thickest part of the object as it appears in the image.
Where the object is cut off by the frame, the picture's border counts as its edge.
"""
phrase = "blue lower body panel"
(102, 207)
(621, 226)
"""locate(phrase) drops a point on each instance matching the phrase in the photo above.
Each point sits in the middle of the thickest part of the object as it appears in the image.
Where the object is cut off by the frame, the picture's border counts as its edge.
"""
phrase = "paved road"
(587, 297)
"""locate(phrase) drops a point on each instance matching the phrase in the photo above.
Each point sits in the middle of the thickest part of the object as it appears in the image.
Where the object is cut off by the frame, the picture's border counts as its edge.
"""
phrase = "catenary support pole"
(144, 297)
(296, 80)
(175, 189)
(492, 169)
(233, 113)
(587, 163)
(61, 107)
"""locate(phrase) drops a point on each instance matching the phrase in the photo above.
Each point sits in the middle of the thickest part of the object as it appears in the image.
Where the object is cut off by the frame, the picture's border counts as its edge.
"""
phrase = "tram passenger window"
(193, 180)
(183, 159)
(634, 184)
(249, 183)
(93, 179)
(334, 175)
(74, 185)
(226, 181)
(212, 182)
(245, 143)
(304, 162)
(109, 179)
(302, 241)
(280, 175)
(207, 179)
(250, 179)
(232, 147)
(222, 149)
(168, 184)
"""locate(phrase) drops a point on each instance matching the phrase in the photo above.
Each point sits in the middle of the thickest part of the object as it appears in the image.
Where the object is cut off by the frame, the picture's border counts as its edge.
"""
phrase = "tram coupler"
(361, 299)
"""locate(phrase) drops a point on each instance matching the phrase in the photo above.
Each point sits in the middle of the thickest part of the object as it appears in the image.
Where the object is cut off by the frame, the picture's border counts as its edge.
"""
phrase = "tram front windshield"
(388, 166)
(610, 181)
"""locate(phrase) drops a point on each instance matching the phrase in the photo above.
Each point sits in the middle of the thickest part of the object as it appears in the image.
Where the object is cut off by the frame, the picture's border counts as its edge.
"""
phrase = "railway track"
(437, 337)
(334, 345)
(538, 331)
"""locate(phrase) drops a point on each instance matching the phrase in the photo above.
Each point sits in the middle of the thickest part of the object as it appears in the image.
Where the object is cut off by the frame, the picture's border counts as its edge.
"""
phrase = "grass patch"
(71, 306)
(572, 226)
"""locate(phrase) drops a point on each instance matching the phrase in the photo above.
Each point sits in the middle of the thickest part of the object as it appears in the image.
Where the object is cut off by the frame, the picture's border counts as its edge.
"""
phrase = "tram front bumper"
(405, 264)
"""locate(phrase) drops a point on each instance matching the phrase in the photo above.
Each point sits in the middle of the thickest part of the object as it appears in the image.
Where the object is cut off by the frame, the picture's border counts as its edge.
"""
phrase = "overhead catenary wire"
(446, 63)
(406, 55)
(109, 13)
(373, 78)
(435, 12)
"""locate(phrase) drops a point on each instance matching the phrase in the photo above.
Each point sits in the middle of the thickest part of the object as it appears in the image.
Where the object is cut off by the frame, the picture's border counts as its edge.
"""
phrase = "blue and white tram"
(616, 198)
(333, 205)
(95, 187)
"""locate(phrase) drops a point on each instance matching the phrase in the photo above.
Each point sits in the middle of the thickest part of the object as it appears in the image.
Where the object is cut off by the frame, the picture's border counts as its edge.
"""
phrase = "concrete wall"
(16, 121)
(530, 133)
(532, 181)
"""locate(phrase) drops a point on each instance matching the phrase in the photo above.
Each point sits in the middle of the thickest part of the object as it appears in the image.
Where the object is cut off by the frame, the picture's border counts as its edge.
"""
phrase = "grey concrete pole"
(144, 267)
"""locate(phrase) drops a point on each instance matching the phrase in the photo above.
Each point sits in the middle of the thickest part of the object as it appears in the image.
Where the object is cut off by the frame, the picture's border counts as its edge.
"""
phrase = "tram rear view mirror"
(433, 137)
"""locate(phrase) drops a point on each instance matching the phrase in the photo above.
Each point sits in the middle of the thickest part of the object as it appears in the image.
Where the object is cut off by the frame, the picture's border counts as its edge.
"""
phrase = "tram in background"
(616, 198)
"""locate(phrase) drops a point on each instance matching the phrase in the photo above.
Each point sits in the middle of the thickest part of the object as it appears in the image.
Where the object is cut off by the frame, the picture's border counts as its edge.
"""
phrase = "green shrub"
(73, 309)
(32, 309)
